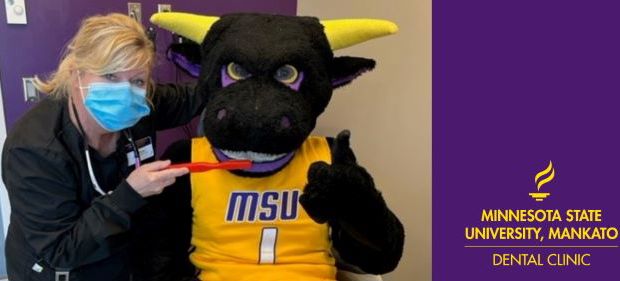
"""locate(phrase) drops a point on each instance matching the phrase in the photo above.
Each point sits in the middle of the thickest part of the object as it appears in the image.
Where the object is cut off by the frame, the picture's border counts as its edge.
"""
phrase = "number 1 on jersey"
(268, 239)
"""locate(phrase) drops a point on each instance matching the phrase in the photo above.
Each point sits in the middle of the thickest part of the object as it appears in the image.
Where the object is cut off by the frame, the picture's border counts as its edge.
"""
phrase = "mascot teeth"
(253, 156)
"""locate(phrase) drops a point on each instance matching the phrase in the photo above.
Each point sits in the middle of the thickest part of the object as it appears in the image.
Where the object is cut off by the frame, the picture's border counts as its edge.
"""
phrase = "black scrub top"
(58, 221)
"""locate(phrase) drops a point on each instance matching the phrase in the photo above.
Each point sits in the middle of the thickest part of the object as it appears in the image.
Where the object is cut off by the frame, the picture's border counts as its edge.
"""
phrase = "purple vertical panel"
(517, 84)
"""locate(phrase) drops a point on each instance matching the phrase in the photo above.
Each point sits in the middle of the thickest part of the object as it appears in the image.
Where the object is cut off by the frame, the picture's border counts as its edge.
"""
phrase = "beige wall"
(389, 114)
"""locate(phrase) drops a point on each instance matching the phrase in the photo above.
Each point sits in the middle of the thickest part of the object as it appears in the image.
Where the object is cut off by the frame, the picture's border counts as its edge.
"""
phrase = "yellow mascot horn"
(191, 26)
(341, 33)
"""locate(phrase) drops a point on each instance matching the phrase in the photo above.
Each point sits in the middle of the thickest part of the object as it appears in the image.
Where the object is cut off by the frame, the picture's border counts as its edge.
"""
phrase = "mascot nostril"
(305, 202)
(285, 122)
(221, 114)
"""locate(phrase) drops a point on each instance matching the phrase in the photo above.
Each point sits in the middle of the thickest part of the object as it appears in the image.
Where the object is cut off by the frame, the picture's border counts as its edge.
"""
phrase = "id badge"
(144, 147)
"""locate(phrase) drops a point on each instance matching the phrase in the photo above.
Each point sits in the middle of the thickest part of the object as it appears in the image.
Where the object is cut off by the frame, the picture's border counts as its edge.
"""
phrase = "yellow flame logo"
(547, 175)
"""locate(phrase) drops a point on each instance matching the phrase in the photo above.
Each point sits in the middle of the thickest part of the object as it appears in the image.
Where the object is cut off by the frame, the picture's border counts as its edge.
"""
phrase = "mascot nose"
(285, 122)
(221, 114)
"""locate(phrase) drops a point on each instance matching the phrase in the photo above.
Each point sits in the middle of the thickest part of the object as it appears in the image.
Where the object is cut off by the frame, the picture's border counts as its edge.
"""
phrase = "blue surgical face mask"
(115, 106)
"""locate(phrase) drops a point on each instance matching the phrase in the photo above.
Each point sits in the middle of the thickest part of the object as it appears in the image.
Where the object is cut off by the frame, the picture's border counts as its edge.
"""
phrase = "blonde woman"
(80, 164)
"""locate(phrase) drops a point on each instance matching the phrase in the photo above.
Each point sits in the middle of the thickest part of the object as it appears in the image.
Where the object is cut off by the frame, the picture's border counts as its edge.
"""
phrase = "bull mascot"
(305, 209)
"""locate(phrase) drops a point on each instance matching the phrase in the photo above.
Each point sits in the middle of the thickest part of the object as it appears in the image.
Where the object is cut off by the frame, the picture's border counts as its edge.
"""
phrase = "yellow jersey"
(254, 228)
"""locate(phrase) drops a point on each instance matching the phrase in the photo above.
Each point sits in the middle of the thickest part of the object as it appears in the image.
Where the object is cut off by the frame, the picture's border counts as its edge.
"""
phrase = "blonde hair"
(103, 44)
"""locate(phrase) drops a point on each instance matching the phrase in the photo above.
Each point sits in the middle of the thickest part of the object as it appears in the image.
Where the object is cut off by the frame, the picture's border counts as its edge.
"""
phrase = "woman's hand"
(152, 178)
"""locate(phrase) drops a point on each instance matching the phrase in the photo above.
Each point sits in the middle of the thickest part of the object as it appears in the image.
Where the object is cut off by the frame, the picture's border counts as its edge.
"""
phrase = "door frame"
(5, 207)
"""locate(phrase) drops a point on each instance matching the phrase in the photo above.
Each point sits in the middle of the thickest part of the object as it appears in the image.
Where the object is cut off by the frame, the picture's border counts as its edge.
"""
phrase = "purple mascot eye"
(232, 73)
(290, 76)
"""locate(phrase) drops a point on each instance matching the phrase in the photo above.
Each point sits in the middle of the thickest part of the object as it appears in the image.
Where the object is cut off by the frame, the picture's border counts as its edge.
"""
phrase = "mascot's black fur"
(260, 113)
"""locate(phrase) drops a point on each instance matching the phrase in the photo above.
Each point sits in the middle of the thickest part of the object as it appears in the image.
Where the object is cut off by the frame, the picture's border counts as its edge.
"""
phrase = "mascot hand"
(365, 232)
(340, 192)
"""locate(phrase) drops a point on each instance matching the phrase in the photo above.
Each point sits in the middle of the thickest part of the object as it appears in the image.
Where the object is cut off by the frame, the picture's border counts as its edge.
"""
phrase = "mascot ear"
(345, 69)
(186, 56)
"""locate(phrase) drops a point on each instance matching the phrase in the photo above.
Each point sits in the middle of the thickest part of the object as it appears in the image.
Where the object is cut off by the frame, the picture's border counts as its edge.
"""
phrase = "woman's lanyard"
(134, 148)
(89, 164)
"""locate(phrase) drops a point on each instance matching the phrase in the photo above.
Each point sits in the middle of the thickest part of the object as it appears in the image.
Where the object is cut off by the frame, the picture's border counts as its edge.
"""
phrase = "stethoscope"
(91, 173)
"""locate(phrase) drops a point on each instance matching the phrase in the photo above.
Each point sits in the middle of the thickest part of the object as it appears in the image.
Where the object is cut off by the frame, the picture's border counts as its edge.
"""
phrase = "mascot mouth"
(261, 162)
(255, 157)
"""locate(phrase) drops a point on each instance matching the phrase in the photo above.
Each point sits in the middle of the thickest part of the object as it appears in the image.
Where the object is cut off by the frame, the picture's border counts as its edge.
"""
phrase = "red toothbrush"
(206, 166)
